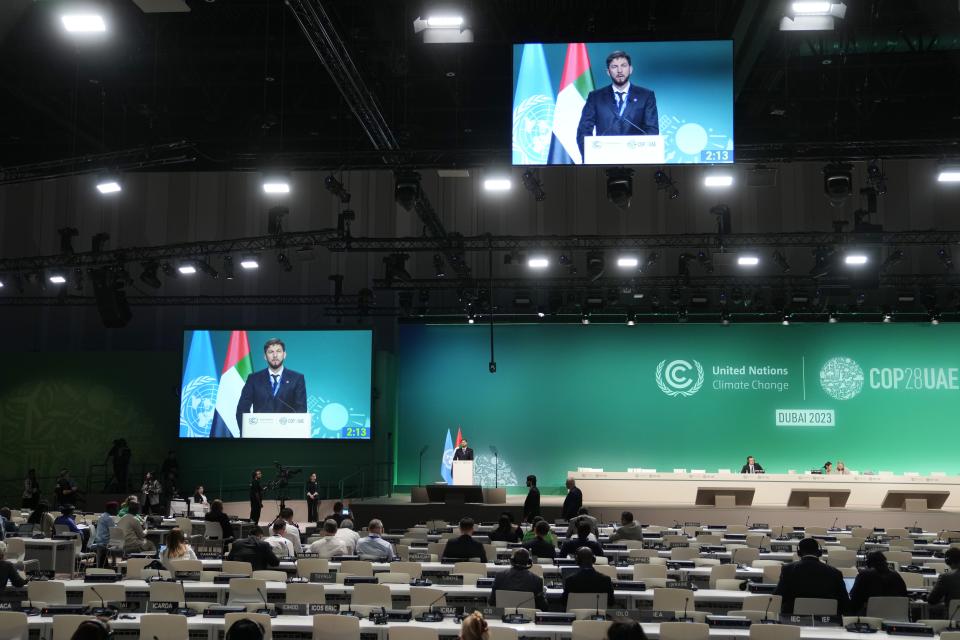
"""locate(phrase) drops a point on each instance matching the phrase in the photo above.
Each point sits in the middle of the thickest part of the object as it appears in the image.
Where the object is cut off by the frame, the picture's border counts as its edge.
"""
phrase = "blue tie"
(276, 383)
(621, 101)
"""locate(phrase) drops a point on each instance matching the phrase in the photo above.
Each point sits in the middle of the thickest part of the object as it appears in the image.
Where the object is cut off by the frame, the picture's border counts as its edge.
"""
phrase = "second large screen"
(623, 103)
(276, 384)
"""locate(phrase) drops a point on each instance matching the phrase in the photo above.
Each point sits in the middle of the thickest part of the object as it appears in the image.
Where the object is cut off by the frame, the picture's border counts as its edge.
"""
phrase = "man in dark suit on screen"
(621, 109)
(275, 389)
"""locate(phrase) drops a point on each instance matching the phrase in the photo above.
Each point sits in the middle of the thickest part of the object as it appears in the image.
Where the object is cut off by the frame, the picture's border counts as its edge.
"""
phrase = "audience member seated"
(630, 630)
(338, 516)
(948, 584)
(587, 579)
(177, 549)
(331, 544)
(810, 578)
(8, 573)
(92, 629)
(530, 535)
(540, 545)
(245, 629)
(876, 580)
(519, 578)
(628, 530)
(292, 531)
(464, 547)
(583, 515)
(134, 537)
(65, 519)
(125, 505)
(506, 531)
(9, 526)
(217, 515)
(254, 550)
(474, 627)
(374, 547)
(348, 534)
(279, 541)
(42, 520)
(582, 539)
(104, 523)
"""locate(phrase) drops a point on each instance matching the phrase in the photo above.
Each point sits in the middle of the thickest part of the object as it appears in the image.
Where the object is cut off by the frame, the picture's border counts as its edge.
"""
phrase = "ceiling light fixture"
(83, 23)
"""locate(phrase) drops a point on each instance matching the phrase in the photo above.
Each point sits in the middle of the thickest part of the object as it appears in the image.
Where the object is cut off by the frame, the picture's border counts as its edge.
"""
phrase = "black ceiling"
(238, 79)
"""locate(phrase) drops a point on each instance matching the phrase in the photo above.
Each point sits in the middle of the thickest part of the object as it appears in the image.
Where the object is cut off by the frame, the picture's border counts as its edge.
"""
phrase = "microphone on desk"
(598, 615)
(104, 611)
(834, 526)
(747, 524)
(767, 610)
(266, 605)
(432, 616)
(516, 617)
(686, 603)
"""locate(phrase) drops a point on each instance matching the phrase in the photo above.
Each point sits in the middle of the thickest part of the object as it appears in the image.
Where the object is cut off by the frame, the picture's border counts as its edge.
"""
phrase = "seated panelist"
(752, 466)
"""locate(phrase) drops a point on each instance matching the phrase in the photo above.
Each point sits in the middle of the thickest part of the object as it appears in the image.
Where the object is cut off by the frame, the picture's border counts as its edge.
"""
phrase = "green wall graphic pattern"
(682, 396)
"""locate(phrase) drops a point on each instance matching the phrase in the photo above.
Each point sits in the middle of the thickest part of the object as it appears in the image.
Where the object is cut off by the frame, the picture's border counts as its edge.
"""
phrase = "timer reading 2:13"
(355, 432)
(724, 155)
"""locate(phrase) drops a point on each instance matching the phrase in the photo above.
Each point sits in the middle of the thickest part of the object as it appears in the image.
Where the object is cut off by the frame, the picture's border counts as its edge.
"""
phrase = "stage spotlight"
(335, 187)
(228, 267)
(838, 182)
(948, 173)
(498, 183)
(396, 269)
(785, 318)
(748, 260)
(284, 261)
(722, 213)
(718, 180)
(538, 262)
(108, 183)
(438, 266)
(620, 186)
(893, 259)
(249, 262)
(934, 316)
(665, 183)
(855, 259)
(406, 189)
(682, 314)
(187, 269)
(541, 313)
(83, 23)
(627, 262)
(596, 265)
(887, 315)
(706, 262)
(725, 317)
(1, 284)
(275, 218)
(531, 182)
(585, 318)
(781, 260)
(470, 319)
(631, 319)
(149, 275)
(276, 184)
(822, 262)
(67, 234)
(945, 258)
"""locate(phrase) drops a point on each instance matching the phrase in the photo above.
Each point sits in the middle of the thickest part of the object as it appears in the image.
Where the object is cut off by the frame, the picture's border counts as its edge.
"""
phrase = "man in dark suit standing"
(520, 578)
(587, 579)
(810, 578)
(948, 584)
(573, 501)
(254, 550)
(531, 506)
(463, 452)
(464, 547)
(275, 389)
(621, 109)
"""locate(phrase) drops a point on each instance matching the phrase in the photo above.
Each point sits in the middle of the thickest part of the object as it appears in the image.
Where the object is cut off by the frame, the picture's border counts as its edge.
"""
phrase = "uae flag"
(236, 367)
(575, 85)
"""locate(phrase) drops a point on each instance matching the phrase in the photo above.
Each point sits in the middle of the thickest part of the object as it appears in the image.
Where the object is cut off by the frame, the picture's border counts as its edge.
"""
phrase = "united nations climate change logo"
(533, 129)
(841, 378)
(198, 403)
(674, 378)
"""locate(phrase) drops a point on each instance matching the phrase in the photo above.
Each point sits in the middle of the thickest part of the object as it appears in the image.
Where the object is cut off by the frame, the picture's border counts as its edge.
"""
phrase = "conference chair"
(246, 590)
(861, 532)
(436, 548)
(579, 601)
(815, 607)
(771, 574)
(185, 565)
(269, 575)
(167, 592)
(902, 558)
(590, 629)
(135, 566)
(307, 566)
(838, 558)
(186, 526)
(362, 568)
(13, 626)
(673, 600)
(631, 544)
(66, 625)
(372, 595)
(738, 529)
(647, 571)
(478, 568)
(305, 593)
(912, 580)
(413, 569)
(16, 550)
(708, 538)
(427, 596)
(722, 572)
(815, 531)
(393, 577)
(260, 618)
(745, 556)
(950, 635)
(774, 632)
(507, 599)
(412, 633)
(502, 633)
(757, 540)
(853, 544)
(897, 532)
(607, 570)
(769, 603)
(109, 593)
(212, 531)
(237, 567)
(889, 608)
(686, 553)
(47, 592)
(163, 626)
(684, 631)
(334, 627)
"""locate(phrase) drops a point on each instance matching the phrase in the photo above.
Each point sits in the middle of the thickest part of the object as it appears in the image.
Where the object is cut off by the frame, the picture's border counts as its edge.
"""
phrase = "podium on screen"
(277, 425)
(623, 150)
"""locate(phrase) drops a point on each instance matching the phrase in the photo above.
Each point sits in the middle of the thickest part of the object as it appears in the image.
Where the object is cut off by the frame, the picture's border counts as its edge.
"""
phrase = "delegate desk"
(767, 490)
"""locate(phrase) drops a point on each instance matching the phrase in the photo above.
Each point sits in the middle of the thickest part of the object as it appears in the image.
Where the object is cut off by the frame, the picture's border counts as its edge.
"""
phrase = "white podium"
(463, 472)
(623, 150)
(277, 425)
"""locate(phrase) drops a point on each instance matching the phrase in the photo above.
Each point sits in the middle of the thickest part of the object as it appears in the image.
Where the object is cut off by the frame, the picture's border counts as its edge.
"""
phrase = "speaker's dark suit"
(810, 578)
(463, 454)
(258, 393)
(601, 117)
(588, 581)
(464, 548)
(520, 580)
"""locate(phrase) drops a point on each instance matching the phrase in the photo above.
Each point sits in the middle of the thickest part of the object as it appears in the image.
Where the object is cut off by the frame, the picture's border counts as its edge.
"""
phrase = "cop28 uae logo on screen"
(841, 378)
(675, 378)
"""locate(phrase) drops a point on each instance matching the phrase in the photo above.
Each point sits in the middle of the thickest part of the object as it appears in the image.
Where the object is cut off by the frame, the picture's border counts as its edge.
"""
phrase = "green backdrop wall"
(878, 396)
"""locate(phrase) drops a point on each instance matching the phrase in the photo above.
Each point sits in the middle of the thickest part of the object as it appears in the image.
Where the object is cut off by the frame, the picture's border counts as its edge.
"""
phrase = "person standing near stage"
(31, 490)
(256, 496)
(150, 491)
(573, 501)
(531, 506)
(313, 498)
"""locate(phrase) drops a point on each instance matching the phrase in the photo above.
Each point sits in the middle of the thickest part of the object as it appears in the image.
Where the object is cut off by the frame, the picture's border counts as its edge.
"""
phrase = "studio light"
(444, 22)
(596, 265)
(718, 180)
(406, 189)
(665, 183)
(620, 186)
(108, 185)
(335, 187)
(249, 262)
(887, 315)
(396, 269)
(497, 184)
(538, 262)
(531, 182)
(811, 8)
(855, 259)
(149, 275)
(208, 269)
(276, 185)
(584, 318)
(838, 182)
(438, 266)
(443, 29)
(627, 262)
(83, 23)
(470, 320)
(187, 269)
(949, 173)
(57, 278)
(748, 261)
(284, 261)
(631, 320)
(1, 284)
